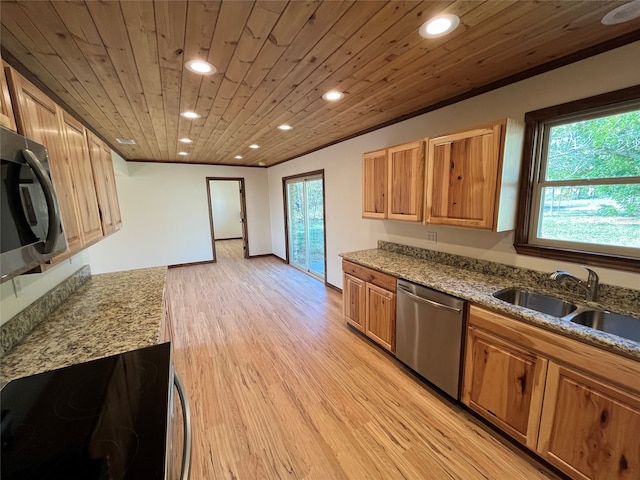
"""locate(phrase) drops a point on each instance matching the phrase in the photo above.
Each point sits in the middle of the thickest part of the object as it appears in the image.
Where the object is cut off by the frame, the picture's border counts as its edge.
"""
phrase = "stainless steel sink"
(615, 323)
(609, 322)
(536, 301)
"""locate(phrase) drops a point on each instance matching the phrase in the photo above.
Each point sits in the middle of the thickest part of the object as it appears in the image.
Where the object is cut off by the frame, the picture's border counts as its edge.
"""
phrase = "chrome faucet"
(590, 286)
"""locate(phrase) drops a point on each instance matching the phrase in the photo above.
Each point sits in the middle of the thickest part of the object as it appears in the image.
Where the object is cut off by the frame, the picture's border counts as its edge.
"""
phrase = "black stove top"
(101, 420)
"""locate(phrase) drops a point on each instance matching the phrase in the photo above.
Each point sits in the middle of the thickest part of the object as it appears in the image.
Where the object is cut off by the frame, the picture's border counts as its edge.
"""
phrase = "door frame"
(243, 214)
(286, 214)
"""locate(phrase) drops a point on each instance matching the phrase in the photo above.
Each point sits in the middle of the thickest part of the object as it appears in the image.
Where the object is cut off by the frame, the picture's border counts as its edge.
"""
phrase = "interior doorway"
(305, 222)
(227, 212)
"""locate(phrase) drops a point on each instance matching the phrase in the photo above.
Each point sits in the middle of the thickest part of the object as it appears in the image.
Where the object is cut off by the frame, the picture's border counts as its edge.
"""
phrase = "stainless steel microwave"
(31, 228)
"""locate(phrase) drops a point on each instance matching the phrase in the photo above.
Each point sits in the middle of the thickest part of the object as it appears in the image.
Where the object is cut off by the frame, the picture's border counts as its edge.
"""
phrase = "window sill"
(616, 262)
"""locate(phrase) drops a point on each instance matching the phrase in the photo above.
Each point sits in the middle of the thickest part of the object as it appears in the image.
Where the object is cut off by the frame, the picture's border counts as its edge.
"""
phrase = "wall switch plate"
(432, 237)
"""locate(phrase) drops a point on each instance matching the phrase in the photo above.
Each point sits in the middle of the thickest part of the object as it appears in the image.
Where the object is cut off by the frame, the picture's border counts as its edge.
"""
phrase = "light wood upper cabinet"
(38, 118)
(504, 384)
(77, 155)
(406, 182)
(72, 159)
(104, 180)
(7, 119)
(590, 429)
(374, 184)
(472, 177)
(369, 303)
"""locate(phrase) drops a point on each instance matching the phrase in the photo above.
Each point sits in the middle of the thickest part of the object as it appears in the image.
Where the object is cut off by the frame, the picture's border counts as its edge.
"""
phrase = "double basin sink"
(614, 323)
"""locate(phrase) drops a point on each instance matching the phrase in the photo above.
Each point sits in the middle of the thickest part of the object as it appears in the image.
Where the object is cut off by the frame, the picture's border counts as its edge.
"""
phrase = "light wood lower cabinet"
(353, 298)
(380, 322)
(589, 429)
(576, 405)
(504, 384)
(369, 303)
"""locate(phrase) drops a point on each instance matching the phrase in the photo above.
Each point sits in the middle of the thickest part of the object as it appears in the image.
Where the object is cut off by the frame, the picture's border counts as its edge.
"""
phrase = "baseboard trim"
(263, 255)
(332, 287)
(192, 264)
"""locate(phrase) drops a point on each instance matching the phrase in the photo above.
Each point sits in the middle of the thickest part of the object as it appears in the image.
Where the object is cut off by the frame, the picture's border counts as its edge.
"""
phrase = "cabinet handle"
(185, 471)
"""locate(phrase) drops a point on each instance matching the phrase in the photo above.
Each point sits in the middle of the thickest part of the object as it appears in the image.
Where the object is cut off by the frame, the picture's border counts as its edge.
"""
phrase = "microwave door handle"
(52, 208)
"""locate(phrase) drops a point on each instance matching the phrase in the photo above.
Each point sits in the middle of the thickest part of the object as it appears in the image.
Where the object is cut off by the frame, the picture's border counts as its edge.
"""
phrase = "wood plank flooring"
(281, 388)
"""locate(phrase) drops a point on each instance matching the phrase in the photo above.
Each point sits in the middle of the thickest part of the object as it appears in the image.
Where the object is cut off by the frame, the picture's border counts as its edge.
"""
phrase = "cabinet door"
(462, 176)
(406, 182)
(589, 429)
(77, 151)
(353, 298)
(381, 316)
(7, 119)
(112, 192)
(504, 384)
(374, 184)
(104, 180)
(37, 117)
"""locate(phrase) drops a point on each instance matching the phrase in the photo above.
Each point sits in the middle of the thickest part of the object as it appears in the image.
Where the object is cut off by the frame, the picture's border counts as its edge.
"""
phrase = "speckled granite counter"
(477, 280)
(111, 313)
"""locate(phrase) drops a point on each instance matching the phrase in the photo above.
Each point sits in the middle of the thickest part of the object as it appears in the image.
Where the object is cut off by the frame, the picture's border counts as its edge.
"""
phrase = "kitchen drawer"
(382, 280)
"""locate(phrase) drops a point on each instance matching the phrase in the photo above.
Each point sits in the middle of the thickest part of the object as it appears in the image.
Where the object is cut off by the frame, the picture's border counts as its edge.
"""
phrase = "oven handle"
(403, 290)
(52, 208)
(186, 418)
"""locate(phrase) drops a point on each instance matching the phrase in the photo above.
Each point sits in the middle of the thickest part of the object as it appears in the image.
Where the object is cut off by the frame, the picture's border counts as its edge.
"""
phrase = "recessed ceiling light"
(190, 114)
(238, 157)
(254, 146)
(332, 96)
(623, 13)
(125, 141)
(261, 164)
(186, 140)
(439, 26)
(285, 127)
(183, 153)
(201, 67)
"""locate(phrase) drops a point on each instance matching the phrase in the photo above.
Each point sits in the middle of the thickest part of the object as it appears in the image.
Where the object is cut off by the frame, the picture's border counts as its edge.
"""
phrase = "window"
(580, 191)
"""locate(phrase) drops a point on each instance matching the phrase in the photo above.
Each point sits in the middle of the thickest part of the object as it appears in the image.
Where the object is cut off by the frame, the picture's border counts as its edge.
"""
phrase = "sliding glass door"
(305, 222)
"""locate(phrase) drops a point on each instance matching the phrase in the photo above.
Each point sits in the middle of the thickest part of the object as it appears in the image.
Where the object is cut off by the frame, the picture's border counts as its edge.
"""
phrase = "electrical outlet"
(432, 237)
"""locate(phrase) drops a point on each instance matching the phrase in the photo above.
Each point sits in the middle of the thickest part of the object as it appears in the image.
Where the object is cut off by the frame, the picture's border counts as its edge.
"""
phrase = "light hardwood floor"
(280, 387)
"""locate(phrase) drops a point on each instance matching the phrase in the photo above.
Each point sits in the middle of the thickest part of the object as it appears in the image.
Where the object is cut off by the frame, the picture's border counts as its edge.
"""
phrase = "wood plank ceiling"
(120, 65)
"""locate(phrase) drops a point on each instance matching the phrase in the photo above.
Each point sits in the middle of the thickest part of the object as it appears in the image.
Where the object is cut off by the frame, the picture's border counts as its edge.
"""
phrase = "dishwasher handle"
(403, 290)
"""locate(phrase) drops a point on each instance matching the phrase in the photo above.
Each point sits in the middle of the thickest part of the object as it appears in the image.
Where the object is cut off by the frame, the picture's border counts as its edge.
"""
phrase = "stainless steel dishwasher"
(429, 328)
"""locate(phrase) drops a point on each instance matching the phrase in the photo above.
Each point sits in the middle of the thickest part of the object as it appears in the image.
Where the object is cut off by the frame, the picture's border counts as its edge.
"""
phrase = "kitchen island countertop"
(111, 313)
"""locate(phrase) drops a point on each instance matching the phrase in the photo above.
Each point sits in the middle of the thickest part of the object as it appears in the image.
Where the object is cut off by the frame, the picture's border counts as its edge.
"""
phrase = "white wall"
(20, 292)
(347, 231)
(166, 217)
(225, 205)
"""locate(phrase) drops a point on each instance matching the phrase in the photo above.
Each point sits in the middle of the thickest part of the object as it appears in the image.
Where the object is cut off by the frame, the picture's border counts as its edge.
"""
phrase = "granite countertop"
(111, 313)
(478, 288)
